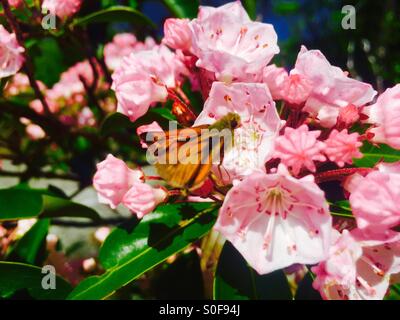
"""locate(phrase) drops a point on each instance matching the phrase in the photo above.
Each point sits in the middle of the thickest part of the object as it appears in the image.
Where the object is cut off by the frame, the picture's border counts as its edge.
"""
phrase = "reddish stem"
(174, 193)
(153, 178)
(339, 174)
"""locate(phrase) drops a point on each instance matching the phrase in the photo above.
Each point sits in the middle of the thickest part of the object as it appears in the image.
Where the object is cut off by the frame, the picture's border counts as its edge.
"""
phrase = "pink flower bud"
(113, 179)
(35, 132)
(141, 198)
(177, 34)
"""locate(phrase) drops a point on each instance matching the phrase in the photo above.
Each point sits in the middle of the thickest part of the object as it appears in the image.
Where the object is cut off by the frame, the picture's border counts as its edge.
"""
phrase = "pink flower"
(62, 8)
(260, 123)
(11, 58)
(15, 3)
(275, 77)
(299, 148)
(35, 132)
(177, 34)
(113, 179)
(20, 84)
(375, 198)
(358, 267)
(331, 88)
(296, 89)
(275, 220)
(70, 89)
(385, 115)
(149, 128)
(122, 45)
(143, 79)
(86, 118)
(228, 43)
(142, 199)
(342, 147)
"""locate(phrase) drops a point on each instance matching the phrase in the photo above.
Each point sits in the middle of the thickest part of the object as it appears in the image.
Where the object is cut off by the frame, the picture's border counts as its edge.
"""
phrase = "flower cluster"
(299, 128)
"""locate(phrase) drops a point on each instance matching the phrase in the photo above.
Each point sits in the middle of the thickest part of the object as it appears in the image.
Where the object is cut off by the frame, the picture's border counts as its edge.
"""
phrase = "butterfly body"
(186, 156)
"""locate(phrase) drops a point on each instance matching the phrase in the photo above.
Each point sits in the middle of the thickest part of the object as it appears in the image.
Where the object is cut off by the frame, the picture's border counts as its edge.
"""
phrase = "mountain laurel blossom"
(385, 116)
(11, 54)
(291, 162)
(276, 220)
(299, 148)
(229, 44)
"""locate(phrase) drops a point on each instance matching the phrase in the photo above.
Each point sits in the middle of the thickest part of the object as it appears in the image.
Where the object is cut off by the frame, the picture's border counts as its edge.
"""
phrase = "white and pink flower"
(144, 78)
(122, 45)
(331, 89)
(62, 8)
(275, 220)
(11, 54)
(375, 198)
(385, 115)
(229, 44)
(359, 267)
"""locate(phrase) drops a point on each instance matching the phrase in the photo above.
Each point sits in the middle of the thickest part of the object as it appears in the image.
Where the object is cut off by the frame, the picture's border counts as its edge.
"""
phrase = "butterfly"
(184, 157)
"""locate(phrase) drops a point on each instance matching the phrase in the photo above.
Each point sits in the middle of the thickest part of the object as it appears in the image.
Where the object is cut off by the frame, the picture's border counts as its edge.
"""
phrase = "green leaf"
(115, 14)
(47, 70)
(341, 209)
(24, 203)
(183, 8)
(134, 248)
(17, 277)
(180, 280)
(372, 155)
(18, 203)
(236, 280)
(115, 122)
(286, 7)
(394, 292)
(28, 247)
(251, 8)
(164, 113)
(57, 207)
(305, 290)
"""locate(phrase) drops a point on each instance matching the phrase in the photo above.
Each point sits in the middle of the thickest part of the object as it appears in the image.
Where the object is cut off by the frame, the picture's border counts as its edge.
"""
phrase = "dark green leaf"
(18, 203)
(17, 277)
(181, 280)
(164, 112)
(115, 122)
(305, 290)
(47, 70)
(183, 8)
(286, 7)
(134, 248)
(251, 8)
(236, 280)
(27, 248)
(57, 207)
(23, 203)
(115, 14)
(372, 155)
